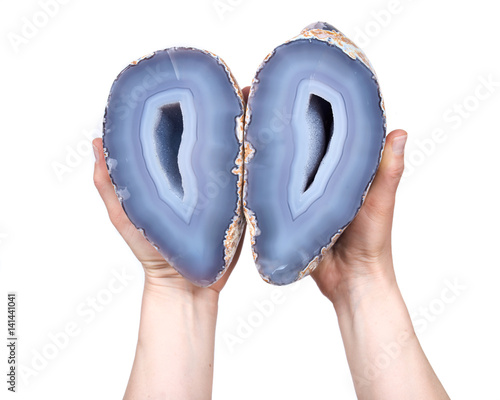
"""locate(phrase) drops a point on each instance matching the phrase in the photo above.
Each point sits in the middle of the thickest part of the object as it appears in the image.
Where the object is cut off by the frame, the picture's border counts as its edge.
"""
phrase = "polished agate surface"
(315, 130)
(173, 144)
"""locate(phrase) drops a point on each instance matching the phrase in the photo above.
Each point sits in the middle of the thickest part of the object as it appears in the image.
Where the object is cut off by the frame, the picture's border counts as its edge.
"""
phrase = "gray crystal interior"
(167, 138)
(317, 128)
(171, 147)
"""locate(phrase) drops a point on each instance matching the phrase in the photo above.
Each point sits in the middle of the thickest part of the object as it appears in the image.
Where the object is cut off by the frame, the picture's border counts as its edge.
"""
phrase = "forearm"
(175, 350)
(383, 352)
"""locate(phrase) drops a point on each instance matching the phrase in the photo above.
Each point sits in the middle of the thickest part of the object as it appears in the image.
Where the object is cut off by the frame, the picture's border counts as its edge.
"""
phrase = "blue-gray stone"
(172, 138)
(317, 129)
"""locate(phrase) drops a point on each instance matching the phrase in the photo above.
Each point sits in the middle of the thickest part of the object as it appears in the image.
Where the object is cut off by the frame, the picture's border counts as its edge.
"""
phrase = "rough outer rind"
(323, 32)
(235, 229)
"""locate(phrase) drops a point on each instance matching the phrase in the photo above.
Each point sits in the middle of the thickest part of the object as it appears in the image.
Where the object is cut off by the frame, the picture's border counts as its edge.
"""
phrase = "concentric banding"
(315, 126)
(173, 133)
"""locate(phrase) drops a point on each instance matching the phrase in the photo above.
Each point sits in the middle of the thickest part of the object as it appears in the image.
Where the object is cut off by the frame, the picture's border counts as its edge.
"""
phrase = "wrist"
(375, 308)
(360, 289)
(178, 290)
(176, 340)
(187, 314)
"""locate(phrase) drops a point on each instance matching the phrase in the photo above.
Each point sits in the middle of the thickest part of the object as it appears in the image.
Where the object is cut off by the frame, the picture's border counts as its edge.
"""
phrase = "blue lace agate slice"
(173, 143)
(315, 130)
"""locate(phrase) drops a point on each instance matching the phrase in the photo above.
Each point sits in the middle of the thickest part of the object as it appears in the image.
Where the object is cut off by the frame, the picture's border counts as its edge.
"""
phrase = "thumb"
(381, 196)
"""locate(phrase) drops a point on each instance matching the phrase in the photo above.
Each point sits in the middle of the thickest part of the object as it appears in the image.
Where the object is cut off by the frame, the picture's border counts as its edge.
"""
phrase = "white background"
(58, 249)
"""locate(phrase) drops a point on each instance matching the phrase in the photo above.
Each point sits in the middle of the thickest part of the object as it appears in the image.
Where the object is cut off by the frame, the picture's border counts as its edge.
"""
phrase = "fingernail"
(398, 145)
(96, 153)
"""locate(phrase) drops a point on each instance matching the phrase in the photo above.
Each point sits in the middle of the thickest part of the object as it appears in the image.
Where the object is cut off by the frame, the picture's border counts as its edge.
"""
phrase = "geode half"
(173, 139)
(315, 130)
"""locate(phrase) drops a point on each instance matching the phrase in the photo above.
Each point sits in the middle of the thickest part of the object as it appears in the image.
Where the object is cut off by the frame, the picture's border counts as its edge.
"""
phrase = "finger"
(381, 196)
(105, 188)
(246, 91)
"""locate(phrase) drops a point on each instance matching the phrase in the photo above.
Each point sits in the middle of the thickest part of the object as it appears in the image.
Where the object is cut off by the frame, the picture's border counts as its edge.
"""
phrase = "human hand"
(158, 272)
(357, 275)
(363, 254)
(175, 349)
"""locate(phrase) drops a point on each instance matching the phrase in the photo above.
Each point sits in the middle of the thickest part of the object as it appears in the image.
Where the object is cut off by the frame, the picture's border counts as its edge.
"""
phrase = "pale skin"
(175, 349)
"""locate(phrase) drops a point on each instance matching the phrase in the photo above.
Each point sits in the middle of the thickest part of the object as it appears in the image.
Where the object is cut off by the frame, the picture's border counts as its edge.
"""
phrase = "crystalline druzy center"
(168, 135)
(319, 126)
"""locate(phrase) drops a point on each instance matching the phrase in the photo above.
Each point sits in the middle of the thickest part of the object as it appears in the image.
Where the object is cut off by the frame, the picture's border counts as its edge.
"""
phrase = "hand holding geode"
(314, 133)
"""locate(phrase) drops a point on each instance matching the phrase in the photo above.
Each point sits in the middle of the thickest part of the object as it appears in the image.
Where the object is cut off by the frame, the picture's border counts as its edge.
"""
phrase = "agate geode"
(173, 142)
(185, 175)
(315, 130)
